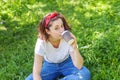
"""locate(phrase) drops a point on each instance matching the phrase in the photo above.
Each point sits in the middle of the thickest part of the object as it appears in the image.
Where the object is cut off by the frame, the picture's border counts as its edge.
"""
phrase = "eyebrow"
(57, 25)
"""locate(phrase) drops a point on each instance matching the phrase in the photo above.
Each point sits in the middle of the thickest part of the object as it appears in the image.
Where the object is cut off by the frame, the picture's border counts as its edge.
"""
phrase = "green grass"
(96, 24)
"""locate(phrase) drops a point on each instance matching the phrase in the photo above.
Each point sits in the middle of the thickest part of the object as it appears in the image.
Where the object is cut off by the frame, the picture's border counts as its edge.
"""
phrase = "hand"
(74, 44)
(38, 78)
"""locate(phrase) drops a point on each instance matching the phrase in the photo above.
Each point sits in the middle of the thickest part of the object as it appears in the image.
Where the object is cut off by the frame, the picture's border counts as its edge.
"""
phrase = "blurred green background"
(95, 23)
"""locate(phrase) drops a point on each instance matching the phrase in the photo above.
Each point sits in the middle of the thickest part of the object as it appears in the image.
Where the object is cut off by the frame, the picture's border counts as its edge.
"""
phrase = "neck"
(55, 43)
(53, 40)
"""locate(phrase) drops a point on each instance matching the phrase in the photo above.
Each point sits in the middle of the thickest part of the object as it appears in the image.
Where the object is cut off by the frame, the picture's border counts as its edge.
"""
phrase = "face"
(56, 29)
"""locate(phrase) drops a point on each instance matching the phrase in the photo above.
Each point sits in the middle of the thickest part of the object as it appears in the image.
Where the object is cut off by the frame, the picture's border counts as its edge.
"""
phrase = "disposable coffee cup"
(67, 37)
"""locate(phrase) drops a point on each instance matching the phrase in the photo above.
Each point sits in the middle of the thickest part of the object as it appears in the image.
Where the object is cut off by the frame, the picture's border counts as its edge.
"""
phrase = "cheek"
(56, 35)
(56, 32)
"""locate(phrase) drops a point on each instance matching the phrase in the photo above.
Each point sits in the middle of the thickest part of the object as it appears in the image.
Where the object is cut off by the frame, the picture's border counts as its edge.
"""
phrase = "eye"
(56, 28)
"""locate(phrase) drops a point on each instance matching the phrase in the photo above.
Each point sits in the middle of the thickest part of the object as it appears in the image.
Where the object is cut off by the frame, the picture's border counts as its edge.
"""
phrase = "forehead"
(57, 22)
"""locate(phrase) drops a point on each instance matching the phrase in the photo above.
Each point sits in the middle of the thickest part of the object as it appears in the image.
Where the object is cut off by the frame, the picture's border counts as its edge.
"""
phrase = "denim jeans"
(51, 71)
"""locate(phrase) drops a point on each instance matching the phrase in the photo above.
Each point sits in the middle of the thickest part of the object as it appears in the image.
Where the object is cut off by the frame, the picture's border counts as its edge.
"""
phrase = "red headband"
(49, 17)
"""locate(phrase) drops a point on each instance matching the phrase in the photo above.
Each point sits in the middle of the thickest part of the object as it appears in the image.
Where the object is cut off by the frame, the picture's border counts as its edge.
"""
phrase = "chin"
(60, 37)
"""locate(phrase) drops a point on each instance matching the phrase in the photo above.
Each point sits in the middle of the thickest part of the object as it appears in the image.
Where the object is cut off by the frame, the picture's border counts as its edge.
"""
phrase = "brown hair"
(41, 27)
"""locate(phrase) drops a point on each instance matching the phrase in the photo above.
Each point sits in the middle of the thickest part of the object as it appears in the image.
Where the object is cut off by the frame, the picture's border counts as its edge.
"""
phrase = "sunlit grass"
(3, 28)
(98, 35)
(98, 7)
(96, 25)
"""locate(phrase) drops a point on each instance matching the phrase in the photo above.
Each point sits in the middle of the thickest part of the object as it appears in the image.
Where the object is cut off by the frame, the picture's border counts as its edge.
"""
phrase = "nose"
(61, 30)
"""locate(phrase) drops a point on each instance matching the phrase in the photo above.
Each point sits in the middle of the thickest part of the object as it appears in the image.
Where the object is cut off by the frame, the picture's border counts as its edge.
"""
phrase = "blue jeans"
(51, 71)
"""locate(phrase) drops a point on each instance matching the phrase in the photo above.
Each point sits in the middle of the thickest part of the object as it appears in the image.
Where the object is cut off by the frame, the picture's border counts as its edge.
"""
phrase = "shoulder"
(40, 47)
(40, 41)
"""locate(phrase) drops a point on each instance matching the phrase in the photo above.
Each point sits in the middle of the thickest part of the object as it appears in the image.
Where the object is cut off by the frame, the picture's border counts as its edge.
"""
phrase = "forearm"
(37, 67)
(76, 57)
(36, 75)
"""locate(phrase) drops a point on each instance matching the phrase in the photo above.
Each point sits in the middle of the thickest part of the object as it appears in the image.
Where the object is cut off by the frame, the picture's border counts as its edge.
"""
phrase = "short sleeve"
(39, 47)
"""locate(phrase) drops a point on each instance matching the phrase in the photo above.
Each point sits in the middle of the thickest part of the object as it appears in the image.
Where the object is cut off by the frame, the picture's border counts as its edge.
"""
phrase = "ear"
(47, 31)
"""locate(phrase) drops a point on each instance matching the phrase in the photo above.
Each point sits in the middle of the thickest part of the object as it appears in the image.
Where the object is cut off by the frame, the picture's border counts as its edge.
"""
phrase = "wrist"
(74, 46)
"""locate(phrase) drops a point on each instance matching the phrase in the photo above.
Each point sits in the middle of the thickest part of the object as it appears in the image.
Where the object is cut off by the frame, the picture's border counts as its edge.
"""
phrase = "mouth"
(60, 35)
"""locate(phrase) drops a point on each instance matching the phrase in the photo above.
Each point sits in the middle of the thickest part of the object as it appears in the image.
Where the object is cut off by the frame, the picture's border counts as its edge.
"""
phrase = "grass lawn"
(95, 23)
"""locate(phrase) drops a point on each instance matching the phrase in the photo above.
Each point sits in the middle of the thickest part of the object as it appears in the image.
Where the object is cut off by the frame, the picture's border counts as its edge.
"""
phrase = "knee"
(70, 77)
(84, 74)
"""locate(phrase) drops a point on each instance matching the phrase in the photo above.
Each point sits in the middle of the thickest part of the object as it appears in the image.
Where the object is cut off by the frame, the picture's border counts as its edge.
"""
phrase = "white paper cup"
(67, 37)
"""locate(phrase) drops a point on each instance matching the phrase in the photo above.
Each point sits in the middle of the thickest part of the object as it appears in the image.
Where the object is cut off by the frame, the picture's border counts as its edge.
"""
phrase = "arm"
(76, 56)
(37, 67)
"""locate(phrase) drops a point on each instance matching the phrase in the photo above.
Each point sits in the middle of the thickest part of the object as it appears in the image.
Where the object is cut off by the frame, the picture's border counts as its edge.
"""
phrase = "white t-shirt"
(51, 54)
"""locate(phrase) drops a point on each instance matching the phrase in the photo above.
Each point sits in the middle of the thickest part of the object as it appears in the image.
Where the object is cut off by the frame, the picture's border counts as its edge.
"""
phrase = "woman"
(53, 56)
